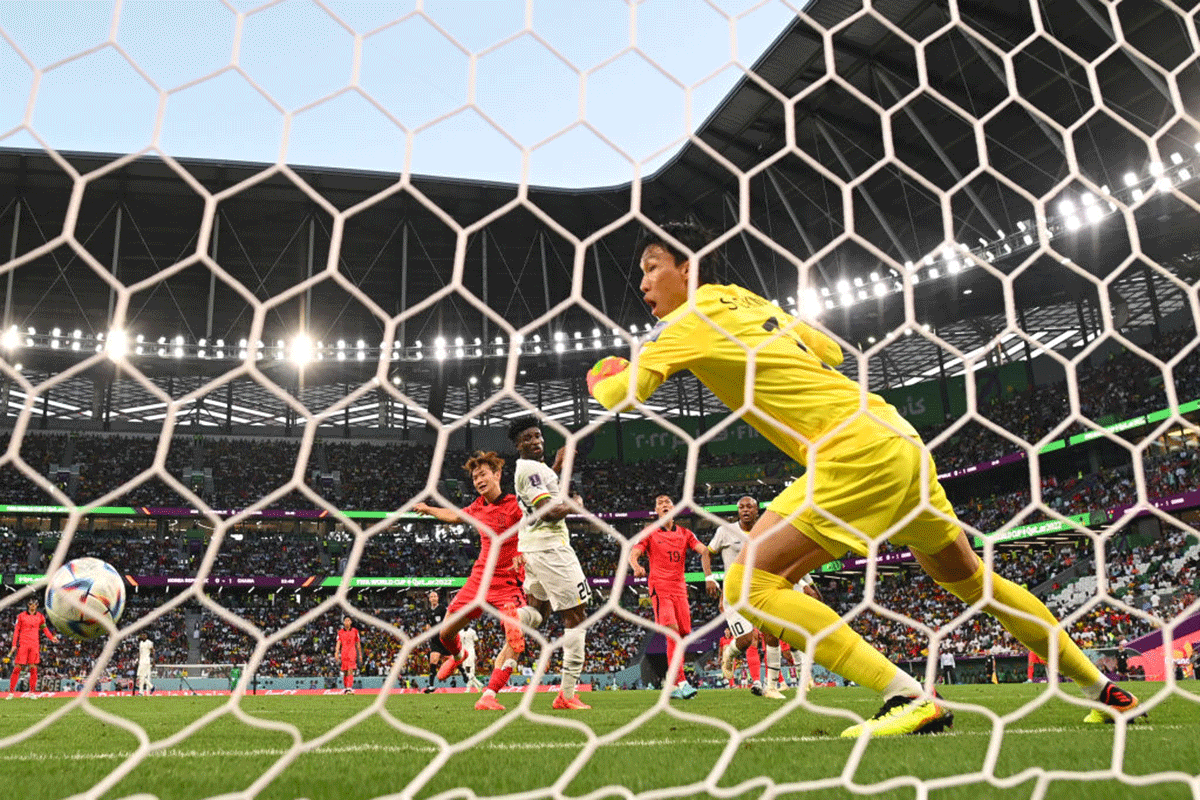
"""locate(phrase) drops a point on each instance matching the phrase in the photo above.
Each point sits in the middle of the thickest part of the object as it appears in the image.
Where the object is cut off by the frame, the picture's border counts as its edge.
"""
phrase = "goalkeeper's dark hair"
(710, 268)
(490, 459)
(522, 424)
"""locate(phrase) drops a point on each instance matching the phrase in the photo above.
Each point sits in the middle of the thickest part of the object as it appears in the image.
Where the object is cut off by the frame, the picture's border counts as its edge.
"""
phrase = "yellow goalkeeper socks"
(1007, 598)
(840, 649)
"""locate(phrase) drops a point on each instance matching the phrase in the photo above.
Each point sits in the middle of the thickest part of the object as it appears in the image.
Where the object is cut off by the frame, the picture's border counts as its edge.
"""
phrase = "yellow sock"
(1008, 597)
(841, 650)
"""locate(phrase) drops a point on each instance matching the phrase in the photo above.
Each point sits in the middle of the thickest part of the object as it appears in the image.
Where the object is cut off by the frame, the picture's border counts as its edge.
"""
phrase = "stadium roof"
(862, 165)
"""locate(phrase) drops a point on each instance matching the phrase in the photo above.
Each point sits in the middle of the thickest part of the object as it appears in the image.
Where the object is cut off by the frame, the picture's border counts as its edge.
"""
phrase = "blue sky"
(297, 56)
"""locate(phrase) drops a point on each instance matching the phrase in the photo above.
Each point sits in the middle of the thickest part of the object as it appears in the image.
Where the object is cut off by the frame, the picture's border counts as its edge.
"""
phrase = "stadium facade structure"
(142, 217)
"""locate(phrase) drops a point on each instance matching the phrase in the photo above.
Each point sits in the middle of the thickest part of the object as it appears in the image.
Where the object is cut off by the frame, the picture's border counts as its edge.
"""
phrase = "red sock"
(733, 683)
(671, 645)
(347, 680)
(754, 664)
(499, 678)
(453, 645)
(12, 682)
(32, 679)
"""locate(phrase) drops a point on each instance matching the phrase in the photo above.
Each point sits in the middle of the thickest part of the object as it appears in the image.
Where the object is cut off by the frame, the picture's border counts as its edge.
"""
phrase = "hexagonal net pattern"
(991, 200)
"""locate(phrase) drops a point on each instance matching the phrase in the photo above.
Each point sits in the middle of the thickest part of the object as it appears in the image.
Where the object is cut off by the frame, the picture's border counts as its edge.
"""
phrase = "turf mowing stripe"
(275, 752)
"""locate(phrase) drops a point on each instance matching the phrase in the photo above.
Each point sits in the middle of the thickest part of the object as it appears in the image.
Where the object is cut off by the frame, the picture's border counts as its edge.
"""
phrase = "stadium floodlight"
(933, 272)
(829, 305)
(916, 277)
(496, 381)
(846, 300)
(843, 286)
(1185, 174)
(858, 282)
(1073, 222)
(1093, 214)
(870, 340)
(1130, 179)
(1066, 207)
(1163, 184)
(56, 332)
(559, 347)
(1088, 199)
(968, 291)
(874, 277)
(558, 336)
(1176, 159)
(1156, 168)
(18, 366)
(1138, 194)
(880, 290)
(11, 339)
(395, 380)
(302, 349)
(862, 294)
(1029, 238)
(473, 380)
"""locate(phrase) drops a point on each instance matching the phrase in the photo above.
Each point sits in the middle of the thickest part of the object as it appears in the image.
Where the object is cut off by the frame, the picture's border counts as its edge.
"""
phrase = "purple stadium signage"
(256, 581)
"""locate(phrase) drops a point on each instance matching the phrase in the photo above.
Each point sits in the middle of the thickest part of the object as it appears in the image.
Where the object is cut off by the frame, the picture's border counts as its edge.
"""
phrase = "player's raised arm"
(446, 515)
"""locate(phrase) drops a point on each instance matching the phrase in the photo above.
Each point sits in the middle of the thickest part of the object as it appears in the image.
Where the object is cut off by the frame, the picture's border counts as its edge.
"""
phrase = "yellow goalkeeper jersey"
(798, 397)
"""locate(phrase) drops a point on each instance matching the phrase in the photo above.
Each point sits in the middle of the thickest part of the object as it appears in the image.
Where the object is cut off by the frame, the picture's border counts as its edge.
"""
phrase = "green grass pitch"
(401, 746)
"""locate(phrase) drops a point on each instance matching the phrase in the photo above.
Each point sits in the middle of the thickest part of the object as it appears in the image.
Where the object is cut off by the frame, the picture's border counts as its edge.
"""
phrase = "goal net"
(272, 274)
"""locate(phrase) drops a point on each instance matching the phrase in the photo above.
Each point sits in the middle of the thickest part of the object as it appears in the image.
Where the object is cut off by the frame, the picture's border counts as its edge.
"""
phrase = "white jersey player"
(728, 542)
(554, 579)
(470, 639)
(144, 664)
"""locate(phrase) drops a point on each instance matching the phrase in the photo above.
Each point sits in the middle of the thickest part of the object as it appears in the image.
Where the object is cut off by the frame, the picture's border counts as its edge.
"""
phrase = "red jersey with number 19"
(666, 550)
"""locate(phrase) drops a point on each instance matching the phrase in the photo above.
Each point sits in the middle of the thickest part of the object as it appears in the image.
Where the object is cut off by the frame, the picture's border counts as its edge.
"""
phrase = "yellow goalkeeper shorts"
(865, 493)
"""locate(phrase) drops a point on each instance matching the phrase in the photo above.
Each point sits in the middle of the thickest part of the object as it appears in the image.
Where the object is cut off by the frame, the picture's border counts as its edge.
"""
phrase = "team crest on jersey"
(652, 336)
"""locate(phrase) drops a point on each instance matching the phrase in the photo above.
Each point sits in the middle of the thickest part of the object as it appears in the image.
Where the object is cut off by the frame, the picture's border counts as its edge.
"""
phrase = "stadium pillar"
(12, 255)
(1152, 293)
(1028, 351)
(943, 383)
(600, 281)
(403, 280)
(545, 274)
(115, 265)
(212, 276)
(484, 275)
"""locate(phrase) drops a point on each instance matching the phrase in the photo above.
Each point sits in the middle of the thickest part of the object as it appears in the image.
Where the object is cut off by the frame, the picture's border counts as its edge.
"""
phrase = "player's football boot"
(564, 703)
(684, 691)
(1119, 700)
(727, 657)
(904, 715)
(771, 693)
(448, 665)
(488, 703)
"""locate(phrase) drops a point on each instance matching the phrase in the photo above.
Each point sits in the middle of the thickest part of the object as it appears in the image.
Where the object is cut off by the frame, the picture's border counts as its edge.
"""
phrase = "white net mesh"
(989, 208)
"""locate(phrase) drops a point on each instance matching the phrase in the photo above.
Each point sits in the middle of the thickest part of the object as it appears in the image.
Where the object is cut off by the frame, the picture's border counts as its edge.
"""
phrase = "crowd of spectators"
(374, 475)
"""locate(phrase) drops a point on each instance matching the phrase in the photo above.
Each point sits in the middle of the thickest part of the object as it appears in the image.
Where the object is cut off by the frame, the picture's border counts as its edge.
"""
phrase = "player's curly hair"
(480, 458)
(522, 424)
(693, 236)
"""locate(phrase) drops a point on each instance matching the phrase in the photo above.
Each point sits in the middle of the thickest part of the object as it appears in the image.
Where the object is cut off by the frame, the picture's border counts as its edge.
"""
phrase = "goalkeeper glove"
(605, 368)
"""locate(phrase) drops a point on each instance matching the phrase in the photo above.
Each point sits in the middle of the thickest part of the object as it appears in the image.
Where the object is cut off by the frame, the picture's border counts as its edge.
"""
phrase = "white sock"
(774, 659)
(573, 642)
(529, 616)
(902, 684)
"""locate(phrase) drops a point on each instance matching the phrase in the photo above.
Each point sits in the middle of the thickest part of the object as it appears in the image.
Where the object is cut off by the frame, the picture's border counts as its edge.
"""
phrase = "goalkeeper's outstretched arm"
(609, 381)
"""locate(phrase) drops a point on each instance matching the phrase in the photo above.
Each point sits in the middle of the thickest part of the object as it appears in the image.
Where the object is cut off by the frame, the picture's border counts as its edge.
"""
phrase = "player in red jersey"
(348, 653)
(496, 515)
(666, 546)
(27, 644)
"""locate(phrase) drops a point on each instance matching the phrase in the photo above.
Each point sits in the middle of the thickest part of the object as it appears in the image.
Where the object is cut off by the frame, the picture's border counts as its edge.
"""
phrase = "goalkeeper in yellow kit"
(866, 469)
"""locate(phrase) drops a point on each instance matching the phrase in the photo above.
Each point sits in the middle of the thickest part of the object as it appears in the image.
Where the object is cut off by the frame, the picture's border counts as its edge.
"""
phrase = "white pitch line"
(381, 748)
